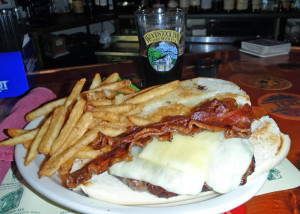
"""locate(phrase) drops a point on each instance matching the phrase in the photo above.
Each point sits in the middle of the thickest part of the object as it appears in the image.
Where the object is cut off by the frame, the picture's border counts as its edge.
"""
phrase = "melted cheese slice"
(184, 164)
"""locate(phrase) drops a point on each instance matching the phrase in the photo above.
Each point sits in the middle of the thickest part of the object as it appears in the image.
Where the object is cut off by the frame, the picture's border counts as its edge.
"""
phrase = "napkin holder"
(13, 69)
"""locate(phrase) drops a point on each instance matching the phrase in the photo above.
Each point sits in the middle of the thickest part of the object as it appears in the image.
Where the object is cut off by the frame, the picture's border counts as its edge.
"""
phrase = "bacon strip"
(214, 116)
(98, 166)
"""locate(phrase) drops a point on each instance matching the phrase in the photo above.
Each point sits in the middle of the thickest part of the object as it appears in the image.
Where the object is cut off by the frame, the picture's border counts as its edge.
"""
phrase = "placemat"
(283, 105)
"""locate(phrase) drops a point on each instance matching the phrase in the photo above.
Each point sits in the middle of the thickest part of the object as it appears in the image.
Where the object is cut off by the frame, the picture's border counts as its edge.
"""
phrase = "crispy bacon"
(98, 165)
(215, 115)
(211, 111)
(102, 141)
(226, 114)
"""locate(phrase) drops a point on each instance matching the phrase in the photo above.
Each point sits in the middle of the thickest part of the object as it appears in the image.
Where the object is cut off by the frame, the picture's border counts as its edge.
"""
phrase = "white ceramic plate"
(51, 187)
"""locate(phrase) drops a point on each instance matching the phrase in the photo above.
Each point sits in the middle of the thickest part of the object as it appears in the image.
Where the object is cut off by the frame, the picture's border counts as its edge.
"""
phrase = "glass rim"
(160, 11)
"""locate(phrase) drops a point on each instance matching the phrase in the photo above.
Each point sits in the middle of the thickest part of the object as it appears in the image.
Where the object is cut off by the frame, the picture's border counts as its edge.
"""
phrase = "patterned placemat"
(261, 82)
(283, 105)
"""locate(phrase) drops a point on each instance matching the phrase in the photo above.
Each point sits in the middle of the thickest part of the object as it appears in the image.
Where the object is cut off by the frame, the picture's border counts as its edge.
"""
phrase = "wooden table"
(61, 82)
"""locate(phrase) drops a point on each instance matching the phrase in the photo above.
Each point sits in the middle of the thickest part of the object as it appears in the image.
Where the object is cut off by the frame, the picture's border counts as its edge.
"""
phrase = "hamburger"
(205, 136)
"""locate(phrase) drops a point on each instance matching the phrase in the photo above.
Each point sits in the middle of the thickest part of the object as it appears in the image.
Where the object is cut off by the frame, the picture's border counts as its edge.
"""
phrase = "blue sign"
(13, 81)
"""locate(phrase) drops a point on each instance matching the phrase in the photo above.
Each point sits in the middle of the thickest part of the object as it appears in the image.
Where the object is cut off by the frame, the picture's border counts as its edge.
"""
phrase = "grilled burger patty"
(160, 192)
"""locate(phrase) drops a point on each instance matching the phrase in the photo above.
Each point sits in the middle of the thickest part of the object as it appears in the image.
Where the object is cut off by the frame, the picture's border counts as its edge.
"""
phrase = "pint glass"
(162, 41)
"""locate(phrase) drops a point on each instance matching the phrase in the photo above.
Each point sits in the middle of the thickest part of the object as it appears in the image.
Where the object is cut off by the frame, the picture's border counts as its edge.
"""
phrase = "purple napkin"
(16, 119)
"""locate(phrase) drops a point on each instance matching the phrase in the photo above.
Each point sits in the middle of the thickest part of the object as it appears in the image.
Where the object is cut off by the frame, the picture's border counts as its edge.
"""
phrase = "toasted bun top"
(189, 94)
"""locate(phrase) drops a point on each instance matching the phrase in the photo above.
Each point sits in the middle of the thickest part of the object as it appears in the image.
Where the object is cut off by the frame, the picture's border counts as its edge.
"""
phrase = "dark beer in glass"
(162, 43)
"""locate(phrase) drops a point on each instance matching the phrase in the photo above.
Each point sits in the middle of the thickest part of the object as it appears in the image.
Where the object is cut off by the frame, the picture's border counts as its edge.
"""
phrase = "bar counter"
(235, 66)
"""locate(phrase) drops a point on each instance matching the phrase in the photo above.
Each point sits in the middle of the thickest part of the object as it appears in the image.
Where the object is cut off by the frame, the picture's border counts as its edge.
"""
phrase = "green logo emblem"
(274, 175)
(163, 55)
(11, 200)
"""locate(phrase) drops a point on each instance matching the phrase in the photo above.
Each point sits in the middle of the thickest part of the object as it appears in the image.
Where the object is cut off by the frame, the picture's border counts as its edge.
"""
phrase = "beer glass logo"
(162, 49)
(163, 57)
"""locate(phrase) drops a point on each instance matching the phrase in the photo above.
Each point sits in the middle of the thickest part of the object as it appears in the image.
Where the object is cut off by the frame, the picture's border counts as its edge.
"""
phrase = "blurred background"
(80, 32)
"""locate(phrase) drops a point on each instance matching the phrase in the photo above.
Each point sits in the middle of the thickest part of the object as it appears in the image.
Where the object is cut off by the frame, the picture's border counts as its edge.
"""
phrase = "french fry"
(78, 131)
(139, 121)
(75, 93)
(125, 122)
(112, 86)
(17, 132)
(105, 149)
(109, 116)
(73, 122)
(111, 131)
(120, 109)
(89, 96)
(138, 109)
(126, 90)
(109, 94)
(88, 153)
(101, 102)
(89, 107)
(128, 96)
(33, 151)
(99, 95)
(112, 78)
(65, 168)
(74, 116)
(57, 121)
(155, 92)
(96, 81)
(27, 143)
(119, 99)
(54, 163)
(113, 124)
(44, 110)
(95, 122)
(20, 139)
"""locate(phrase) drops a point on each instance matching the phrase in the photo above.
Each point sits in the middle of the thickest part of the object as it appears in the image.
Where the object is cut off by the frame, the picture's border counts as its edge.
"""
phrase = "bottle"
(52, 7)
(256, 6)
(228, 6)
(267, 5)
(155, 4)
(144, 4)
(218, 6)
(184, 4)
(77, 6)
(194, 6)
(111, 6)
(206, 5)
(242, 5)
(285, 6)
(297, 5)
(89, 7)
(96, 6)
(173, 4)
(71, 4)
(103, 7)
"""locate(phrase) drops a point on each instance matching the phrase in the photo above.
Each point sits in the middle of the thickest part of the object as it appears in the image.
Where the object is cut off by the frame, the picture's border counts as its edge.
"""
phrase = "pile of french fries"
(70, 124)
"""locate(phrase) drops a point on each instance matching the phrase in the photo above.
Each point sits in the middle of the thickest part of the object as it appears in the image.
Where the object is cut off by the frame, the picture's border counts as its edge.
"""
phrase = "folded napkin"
(16, 119)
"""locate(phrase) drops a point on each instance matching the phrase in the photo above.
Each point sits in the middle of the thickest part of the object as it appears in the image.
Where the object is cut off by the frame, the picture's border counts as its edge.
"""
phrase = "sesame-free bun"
(189, 94)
